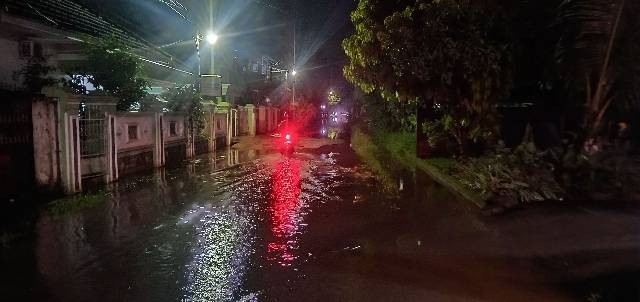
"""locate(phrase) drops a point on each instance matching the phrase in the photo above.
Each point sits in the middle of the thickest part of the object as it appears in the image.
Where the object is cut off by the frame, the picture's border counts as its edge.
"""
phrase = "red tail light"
(287, 137)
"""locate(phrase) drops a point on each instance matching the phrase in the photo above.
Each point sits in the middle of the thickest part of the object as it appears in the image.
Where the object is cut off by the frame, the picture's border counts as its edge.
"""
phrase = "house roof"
(70, 16)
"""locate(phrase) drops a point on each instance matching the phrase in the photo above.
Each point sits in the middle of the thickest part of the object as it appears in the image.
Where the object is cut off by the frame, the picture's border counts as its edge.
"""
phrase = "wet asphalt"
(257, 226)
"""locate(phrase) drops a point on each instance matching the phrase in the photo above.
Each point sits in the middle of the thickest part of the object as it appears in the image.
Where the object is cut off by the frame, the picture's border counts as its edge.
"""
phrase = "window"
(29, 49)
(173, 129)
(218, 125)
(26, 49)
(132, 132)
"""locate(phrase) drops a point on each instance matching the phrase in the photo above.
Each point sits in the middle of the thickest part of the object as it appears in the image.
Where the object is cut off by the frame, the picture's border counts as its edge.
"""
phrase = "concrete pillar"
(72, 180)
(269, 120)
(158, 147)
(251, 119)
(45, 143)
(190, 138)
(210, 124)
(236, 124)
(223, 111)
(262, 120)
(112, 149)
(211, 129)
(229, 127)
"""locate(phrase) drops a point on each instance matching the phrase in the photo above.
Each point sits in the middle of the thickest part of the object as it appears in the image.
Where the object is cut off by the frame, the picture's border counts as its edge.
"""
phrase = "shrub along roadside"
(504, 178)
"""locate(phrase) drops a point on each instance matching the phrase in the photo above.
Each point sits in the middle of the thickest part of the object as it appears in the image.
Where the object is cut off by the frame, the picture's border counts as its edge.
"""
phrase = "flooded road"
(244, 226)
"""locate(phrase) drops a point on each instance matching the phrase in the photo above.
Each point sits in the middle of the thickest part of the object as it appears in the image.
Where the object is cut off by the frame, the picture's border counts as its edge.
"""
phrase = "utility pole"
(212, 48)
(295, 21)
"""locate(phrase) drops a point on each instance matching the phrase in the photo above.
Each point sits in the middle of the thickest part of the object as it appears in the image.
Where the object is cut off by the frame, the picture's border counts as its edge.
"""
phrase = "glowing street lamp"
(212, 38)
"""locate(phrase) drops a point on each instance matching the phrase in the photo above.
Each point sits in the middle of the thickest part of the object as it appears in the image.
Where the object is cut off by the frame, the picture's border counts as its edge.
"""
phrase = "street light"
(293, 74)
(212, 38)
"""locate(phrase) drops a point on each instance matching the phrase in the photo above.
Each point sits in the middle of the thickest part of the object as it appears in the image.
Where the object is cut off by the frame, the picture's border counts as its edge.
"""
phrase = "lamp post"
(211, 38)
(293, 90)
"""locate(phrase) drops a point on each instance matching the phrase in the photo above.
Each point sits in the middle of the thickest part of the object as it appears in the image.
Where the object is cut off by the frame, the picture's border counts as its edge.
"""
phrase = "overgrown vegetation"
(446, 57)
(111, 68)
(75, 203)
(35, 75)
(522, 176)
(607, 175)
(440, 68)
(186, 99)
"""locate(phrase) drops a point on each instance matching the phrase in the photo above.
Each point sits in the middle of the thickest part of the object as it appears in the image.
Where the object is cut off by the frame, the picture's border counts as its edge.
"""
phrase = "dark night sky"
(249, 28)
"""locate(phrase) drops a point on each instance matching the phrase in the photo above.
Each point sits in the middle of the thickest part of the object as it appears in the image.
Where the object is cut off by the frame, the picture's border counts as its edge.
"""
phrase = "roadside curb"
(450, 183)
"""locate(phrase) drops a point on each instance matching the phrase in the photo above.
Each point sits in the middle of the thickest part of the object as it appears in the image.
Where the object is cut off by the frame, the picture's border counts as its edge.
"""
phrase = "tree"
(449, 56)
(597, 56)
(112, 69)
(35, 75)
(334, 98)
(187, 100)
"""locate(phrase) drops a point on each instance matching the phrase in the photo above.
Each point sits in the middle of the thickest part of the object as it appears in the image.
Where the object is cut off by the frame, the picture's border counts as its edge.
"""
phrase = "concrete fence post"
(269, 119)
(45, 143)
(236, 125)
(72, 181)
(262, 120)
(211, 130)
(112, 149)
(190, 138)
(251, 119)
(159, 144)
(229, 127)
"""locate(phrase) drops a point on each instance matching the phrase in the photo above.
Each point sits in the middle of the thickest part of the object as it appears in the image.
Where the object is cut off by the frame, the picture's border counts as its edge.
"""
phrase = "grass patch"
(76, 203)
(441, 169)
(504, 177)
(385, 151)
(369, 152)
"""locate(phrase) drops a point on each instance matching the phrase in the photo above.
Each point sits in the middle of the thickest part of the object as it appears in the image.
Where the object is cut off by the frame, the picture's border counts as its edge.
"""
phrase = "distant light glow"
(212, 38)
(294, 72)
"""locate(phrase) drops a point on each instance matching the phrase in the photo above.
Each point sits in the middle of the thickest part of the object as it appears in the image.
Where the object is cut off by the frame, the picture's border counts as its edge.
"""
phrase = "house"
(59, 136)
(51, 32)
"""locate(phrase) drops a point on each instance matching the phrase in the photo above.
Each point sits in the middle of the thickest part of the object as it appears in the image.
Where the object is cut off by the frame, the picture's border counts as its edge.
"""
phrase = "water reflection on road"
(245, 226)
(284, 207)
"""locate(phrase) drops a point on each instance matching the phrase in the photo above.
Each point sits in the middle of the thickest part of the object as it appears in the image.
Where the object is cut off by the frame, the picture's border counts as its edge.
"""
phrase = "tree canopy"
(112, 69)
(186, 99)
(451, 57)
(597, 56)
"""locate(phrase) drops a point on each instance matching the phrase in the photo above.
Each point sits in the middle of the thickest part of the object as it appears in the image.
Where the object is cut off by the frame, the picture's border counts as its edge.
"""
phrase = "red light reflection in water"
(284, 207)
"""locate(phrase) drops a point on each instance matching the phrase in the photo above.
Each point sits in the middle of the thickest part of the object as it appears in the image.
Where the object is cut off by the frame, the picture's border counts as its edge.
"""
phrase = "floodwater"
(244, 226)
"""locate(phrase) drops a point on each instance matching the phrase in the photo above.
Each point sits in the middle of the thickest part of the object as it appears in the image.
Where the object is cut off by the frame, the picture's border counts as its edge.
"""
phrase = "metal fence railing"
(92, 140)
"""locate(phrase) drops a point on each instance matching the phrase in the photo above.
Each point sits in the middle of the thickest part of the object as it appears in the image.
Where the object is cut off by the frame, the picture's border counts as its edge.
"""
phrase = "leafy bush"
(112, 68)
(523, 175)
(186, 99)
(35, 75)
(604, 175)
(389, 116)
